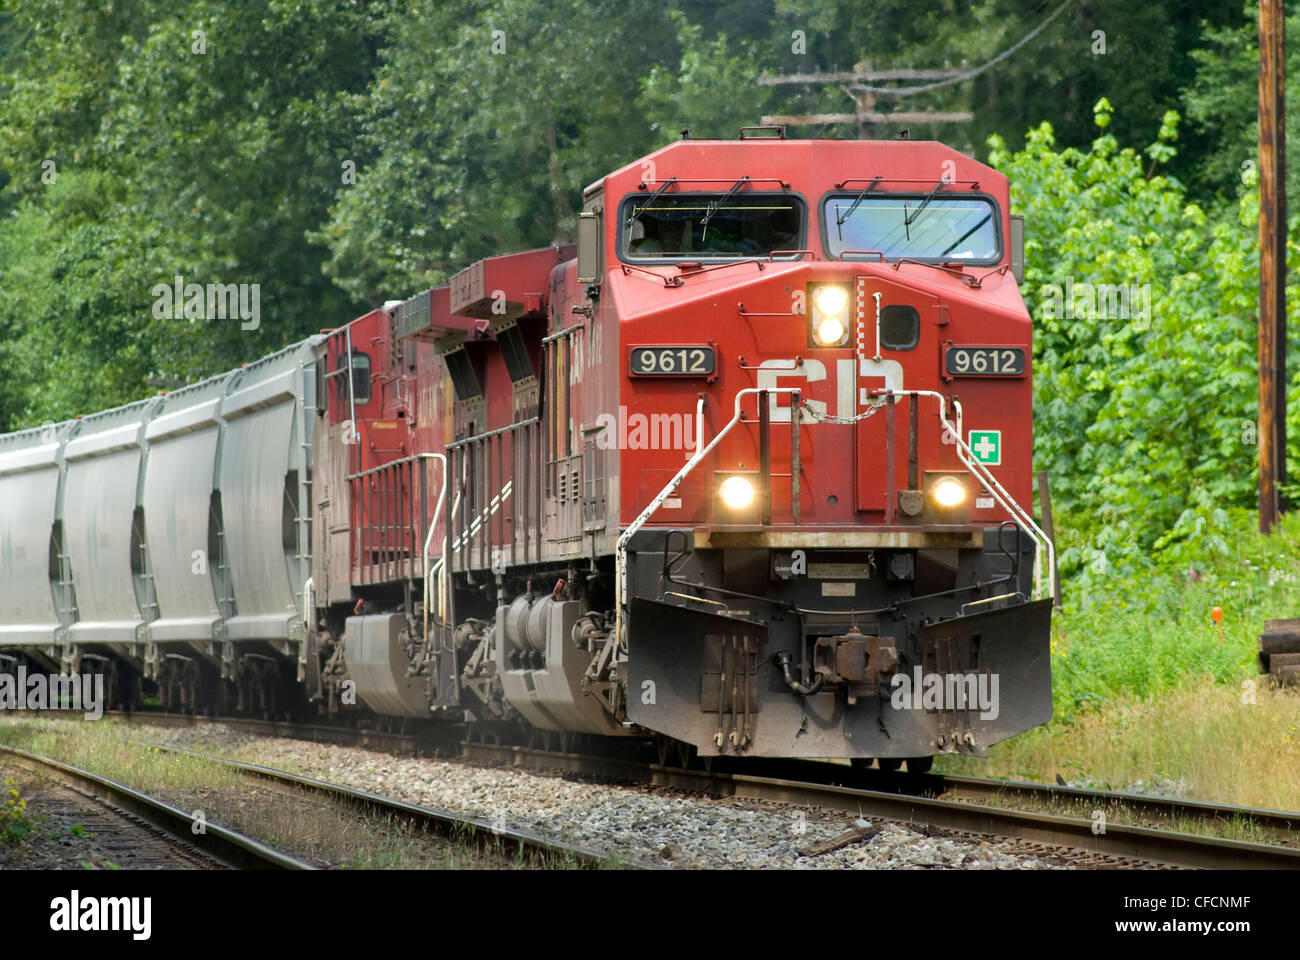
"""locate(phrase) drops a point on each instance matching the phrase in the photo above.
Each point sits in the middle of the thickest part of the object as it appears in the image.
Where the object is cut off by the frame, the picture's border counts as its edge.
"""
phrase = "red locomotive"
(744, 472)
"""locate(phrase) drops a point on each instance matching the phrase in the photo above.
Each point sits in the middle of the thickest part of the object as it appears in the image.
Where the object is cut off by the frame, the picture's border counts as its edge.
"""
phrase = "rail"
(428, 542)
(1043, 580)
(498, 504)
(620, 548)
(480, 832)
(1043, 583)
(222, 844)
(926, 799)
(391, 517)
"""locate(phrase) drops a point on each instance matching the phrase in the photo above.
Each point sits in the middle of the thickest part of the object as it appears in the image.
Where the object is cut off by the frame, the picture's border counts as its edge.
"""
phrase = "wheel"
(889, 764)
(919, 764)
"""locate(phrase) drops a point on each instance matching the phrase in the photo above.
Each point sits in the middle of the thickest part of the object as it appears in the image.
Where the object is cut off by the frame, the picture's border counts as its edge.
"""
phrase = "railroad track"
(223, 846)
(1282, 828)
(958, 804)
(487, 836)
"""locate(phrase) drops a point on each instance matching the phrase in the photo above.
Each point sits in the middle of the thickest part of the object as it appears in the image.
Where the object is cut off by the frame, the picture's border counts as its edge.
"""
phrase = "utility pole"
(1272, 260)
(866, 115)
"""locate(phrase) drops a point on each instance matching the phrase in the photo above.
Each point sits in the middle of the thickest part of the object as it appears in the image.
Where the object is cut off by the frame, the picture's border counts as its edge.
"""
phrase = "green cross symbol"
(987, 446)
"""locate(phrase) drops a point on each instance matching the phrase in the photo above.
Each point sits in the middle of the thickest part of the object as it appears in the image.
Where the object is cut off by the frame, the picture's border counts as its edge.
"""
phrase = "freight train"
(744, 471)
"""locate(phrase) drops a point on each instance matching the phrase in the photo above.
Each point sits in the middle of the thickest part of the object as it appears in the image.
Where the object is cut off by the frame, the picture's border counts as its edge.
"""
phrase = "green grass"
(1149, 691)
(1139, 627)
(1199, 742)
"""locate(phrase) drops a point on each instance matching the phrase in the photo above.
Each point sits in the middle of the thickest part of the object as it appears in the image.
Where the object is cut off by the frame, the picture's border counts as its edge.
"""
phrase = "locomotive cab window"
(920, 226)
(708, 226)
(360, 377)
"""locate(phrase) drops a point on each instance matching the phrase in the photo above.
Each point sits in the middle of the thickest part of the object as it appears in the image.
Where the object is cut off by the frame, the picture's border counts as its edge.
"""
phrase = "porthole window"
(900, 327)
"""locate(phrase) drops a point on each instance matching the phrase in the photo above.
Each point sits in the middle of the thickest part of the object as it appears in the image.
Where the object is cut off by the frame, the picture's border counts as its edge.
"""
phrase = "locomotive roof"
(833, 161)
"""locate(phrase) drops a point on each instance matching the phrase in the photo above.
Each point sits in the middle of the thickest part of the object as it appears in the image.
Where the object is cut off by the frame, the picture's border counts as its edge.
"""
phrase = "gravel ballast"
(636, 823)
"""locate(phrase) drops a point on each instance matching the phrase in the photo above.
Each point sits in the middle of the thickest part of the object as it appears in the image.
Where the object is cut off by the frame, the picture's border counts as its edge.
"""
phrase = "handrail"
(740, 309)
(785, 184)
(790, 256)
(971, 281)
(620, 548)
(967, 456)
(561, 334)
(1043, 586)
(352, 396)
(433, 523)
(428, 539)
(485, 515)
(699, 267)
(668, 281)
(493, 433)
(842, 183)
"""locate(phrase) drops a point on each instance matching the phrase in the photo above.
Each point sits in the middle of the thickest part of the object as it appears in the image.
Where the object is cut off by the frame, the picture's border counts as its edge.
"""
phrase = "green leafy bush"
(1145, 420)
(1143, 632)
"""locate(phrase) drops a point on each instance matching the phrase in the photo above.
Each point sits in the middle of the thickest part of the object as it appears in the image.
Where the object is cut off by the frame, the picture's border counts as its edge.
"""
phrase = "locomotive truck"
(745, 471)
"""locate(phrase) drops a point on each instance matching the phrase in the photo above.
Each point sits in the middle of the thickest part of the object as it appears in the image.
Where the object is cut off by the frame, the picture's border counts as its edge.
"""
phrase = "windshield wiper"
(717, 205)
(909, 220)
(965, 235)
(637, 211)
(840, 221)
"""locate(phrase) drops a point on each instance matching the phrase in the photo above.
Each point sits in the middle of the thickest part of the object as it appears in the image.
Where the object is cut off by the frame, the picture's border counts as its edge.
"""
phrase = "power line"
(909, 91)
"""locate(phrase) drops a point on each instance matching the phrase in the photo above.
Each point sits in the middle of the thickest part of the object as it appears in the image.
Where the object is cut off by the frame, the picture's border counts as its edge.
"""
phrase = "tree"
(1144, 420)
(217, 134)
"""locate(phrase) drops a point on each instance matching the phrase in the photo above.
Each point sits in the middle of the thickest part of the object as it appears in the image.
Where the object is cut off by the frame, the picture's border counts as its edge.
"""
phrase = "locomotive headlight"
(831, 299)
(830, 331)
(948, 492)
(830, 312)
(736, 492)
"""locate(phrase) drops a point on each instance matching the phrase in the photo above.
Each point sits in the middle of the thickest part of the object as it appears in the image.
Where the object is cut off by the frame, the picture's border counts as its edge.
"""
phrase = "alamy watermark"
(640, 431)
(42, 691)
(1097, 301)
(215, 301)
(77, 914)
(946, 691)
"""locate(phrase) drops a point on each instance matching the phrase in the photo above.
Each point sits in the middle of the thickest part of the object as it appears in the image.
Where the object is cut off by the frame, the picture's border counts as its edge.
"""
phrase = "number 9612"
(685, 361)
(984, 362)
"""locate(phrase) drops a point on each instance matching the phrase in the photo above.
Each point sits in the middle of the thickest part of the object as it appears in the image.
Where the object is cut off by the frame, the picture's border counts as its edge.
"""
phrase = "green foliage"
(220, 157)
(486, 146)
(1140, 633)
(1222, 102)
(708, 91)
(68, 301)
(1063, 73)
(473, 126)
(1144, 418)
(138, 149)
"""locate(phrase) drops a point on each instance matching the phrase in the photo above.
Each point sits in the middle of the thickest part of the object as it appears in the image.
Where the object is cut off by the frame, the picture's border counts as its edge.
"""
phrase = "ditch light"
(736, 492)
